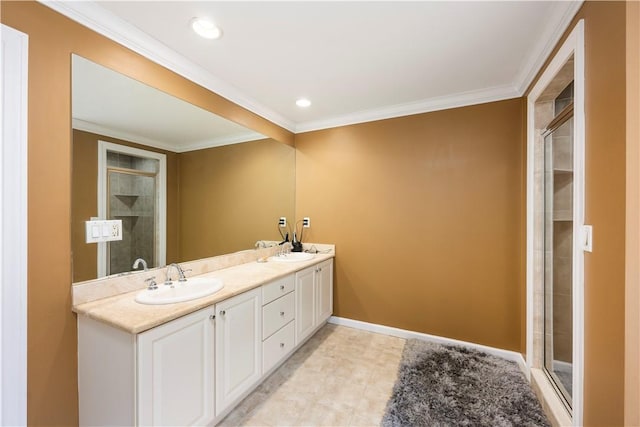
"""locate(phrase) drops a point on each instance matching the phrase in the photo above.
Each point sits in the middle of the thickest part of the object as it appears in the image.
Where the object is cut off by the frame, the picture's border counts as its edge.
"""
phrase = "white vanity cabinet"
(278, 330)
(164, 376)
(194, 369)
(176, 372)
(238, 347)
(314, 299)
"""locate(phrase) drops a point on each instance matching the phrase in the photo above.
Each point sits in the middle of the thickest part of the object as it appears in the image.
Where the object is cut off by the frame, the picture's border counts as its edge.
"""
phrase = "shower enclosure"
(132, 190)
(558, 244)
(557, 236)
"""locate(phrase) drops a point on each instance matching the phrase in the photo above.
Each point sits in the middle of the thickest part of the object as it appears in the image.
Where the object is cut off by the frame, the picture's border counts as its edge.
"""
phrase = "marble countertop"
(123, 312)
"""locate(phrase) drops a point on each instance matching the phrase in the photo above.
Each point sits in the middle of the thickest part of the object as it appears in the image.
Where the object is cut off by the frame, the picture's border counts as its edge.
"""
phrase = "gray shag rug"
(442, 385)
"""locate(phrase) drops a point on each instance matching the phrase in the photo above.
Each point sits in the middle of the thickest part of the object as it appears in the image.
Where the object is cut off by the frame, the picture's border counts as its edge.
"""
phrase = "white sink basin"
(292, 257)
(193, 288)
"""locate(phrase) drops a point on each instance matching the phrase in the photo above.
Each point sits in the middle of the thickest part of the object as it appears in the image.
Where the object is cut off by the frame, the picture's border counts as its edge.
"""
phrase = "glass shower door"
(558, 261)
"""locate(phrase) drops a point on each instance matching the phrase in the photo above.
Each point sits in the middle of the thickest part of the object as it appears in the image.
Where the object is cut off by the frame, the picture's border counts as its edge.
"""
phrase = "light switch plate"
(587, 238)
(103, 230)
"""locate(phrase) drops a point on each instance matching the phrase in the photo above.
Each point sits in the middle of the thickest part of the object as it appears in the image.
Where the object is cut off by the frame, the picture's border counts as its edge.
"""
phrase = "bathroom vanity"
(190, 363)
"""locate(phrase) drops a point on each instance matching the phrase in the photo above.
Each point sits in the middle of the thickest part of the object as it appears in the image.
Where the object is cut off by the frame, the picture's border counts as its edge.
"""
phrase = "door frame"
(13, 229)
(573, 45)
(161, 216)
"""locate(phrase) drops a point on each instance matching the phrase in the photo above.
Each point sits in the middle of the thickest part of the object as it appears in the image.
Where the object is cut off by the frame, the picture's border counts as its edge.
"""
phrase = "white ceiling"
(356, 61)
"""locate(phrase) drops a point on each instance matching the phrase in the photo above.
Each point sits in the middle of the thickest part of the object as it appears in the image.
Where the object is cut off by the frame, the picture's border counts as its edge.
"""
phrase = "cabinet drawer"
(276, 314)
(277, 288)
(276, 347)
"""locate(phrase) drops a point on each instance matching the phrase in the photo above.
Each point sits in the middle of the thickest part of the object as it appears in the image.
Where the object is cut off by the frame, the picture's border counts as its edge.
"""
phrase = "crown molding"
(118, 134)
(462, 99)
(545, 46)
(94, 17)
(218, 142)
(100, 20)
(139, 139)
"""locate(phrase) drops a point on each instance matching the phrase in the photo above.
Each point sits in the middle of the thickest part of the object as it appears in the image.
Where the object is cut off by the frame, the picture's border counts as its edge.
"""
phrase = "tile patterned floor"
(340, 377)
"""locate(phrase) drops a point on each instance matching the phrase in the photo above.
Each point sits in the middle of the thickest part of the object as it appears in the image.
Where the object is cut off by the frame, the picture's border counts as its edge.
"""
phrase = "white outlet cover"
(103, 230)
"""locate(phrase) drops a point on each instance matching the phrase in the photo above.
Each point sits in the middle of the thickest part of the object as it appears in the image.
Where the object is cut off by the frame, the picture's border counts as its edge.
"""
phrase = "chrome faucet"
(152, 283)
(139, 261)
(181, 277)
(285, 248)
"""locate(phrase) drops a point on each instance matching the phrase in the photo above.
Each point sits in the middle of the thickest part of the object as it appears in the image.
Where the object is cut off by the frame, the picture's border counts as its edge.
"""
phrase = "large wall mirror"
(185, 183)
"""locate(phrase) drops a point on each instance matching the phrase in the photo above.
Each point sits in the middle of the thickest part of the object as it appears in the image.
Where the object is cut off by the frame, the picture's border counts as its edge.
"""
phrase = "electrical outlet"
(116, 229)
(282, 222)
(306, 222)
(98, 231)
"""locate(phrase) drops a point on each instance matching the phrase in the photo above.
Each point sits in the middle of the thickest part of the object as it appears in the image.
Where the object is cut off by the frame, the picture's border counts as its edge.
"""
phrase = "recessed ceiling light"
(303, 102)
(205, 28)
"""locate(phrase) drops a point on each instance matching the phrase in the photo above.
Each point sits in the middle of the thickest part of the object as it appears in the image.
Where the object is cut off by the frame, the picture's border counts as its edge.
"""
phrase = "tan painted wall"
(605, 210)
(84, 195)
(51, 340)
(426, 214)
(410, 191)
(632, 333)
(247, 187)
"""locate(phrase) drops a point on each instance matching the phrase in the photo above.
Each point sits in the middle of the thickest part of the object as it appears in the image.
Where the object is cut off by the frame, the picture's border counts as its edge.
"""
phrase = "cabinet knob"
(282, 287)
(282, 313)
(222, 312)
(281, 345)
(212, 317)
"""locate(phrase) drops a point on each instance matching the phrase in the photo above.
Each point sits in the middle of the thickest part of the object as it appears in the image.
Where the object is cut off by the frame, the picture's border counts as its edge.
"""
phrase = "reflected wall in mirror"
(226, 186)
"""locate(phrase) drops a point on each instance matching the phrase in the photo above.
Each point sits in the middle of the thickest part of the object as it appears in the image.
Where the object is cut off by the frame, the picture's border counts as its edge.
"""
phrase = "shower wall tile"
(563, 242)
(538, 349)
(543, 114)
(563, 347)
(563, 196)
(562, 276)
(547, 345)
(562, 152)
(562, 314)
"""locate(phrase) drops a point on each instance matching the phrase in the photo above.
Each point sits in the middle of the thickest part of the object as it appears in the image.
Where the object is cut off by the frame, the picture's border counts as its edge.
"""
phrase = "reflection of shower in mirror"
(132, 190)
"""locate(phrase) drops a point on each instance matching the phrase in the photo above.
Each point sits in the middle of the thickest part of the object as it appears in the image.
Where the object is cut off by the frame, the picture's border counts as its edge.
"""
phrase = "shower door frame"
(572, 47)
(161, 218)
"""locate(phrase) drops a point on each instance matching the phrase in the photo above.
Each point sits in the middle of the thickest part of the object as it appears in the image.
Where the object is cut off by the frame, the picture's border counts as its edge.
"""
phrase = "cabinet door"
(176, 372)
(324, 291)
(238, 347)
(305, 318)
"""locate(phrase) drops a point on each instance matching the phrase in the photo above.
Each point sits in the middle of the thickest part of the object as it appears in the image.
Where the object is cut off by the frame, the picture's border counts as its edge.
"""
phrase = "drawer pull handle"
(282, 287)
(282, 313)
(281, 345)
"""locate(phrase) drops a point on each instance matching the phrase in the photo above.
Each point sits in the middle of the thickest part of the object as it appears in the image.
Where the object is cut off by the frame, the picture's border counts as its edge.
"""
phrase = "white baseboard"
(403, 333)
